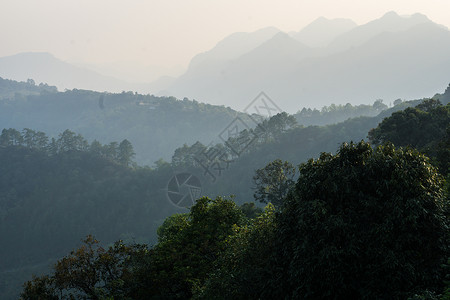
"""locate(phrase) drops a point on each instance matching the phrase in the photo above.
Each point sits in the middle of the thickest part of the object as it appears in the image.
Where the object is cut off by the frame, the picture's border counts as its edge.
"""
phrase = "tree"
(185, 156)
(362, 224)
(189, 244)
(29, 137)
(242, 270)
(42, 287)
(273, 182)
(96, 147)
(53, 147)
(110, 151)
(379, 105)
(33, 139)
(415, 126)
(126, 153)
(70, 141)
(271, 129)
(89, 272)
(11, 137)
(425, 127)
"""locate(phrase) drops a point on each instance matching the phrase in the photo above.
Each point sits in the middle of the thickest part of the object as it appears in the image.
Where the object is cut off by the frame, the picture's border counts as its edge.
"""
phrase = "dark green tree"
(189, 244)
(425, 127)
(89, 272)
(70, 141)
(362, 224)
(184, 156)
(125, 153)
(415, 126)
(242, 270)
(11, 137)
(96, 147)
(272, 183)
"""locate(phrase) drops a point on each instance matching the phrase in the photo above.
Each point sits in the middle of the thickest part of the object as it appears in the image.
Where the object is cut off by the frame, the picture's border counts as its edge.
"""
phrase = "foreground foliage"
(362, 224)
(173, 269)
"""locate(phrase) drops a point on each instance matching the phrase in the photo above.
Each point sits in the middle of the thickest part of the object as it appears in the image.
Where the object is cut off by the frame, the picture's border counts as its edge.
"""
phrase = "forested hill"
(154, 125)
(380, 212)
(53, 193)
(283, 138)
(10, 88)
(56, 191)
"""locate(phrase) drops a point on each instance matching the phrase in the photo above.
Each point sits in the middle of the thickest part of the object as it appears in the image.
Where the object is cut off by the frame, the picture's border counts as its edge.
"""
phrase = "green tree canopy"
(425, 127)
(89, 272)
(242, 270)
(362, 224)
(273, 182)
(188, 246)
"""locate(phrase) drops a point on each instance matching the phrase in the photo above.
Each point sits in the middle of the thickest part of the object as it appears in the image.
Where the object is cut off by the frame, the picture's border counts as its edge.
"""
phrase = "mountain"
(241, 77)
(388, 58)
(390, 22)
(381, 68)
(322, 31)
(208, 68)
(131, 71)
(49, 200)
(44, 67)
(155, 125)
(233, 46)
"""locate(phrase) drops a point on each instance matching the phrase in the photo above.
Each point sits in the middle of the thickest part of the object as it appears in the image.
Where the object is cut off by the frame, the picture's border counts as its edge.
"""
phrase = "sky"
(168, 33)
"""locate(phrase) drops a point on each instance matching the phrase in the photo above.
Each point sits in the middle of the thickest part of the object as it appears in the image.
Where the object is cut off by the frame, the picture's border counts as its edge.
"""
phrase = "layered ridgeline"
(390, 57)
(361, 223)
(154, 125)
(327, 61)
(53, 192)
(56, 191)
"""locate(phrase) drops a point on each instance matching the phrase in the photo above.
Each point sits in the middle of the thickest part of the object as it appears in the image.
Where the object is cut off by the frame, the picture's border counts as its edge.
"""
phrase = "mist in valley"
(197, 150)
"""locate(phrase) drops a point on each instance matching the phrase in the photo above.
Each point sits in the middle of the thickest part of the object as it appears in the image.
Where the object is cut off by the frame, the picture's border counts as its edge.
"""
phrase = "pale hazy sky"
(169, 32)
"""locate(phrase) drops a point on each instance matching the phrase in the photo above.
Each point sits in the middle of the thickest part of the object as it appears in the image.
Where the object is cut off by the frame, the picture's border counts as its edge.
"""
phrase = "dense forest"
(363, 223)
(60, 188)
(154, 125)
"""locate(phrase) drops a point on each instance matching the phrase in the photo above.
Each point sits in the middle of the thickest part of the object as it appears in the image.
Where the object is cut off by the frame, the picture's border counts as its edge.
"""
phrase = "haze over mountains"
(381, 59)
(44, 67)
(323, 31)
(327, 61)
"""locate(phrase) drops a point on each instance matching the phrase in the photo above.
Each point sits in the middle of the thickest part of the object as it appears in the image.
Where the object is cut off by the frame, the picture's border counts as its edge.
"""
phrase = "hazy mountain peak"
(280, 44)
(390, 15)
(322, 31)
(282, 36)
(35, 58)
(420, 16)
(46, 68)
(389, 22)
(234, 45)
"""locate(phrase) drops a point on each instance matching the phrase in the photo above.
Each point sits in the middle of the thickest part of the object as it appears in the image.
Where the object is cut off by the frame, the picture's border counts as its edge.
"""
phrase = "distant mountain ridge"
(389, 22)
(388, 58)
(322, 31)
(328, 61)
(46, 68)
